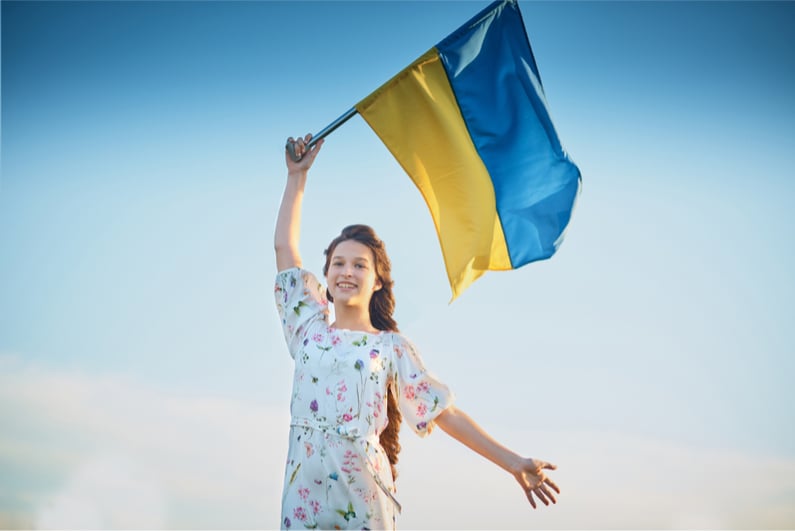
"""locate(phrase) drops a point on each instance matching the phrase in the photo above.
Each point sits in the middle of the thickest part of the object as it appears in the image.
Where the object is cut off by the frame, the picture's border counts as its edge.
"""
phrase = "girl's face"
(351, 274)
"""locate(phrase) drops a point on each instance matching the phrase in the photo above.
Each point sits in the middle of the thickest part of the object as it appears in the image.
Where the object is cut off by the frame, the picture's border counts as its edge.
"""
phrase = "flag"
(468, 121)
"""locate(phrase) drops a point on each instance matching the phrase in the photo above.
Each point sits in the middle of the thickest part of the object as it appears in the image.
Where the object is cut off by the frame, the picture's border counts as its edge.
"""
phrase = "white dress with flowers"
(337, 475)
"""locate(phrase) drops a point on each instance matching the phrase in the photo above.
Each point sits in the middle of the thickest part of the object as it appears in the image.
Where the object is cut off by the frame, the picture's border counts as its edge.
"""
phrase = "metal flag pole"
(325, 132)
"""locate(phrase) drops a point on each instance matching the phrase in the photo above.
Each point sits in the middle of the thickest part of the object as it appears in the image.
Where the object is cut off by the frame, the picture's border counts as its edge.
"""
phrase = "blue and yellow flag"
(468, 121)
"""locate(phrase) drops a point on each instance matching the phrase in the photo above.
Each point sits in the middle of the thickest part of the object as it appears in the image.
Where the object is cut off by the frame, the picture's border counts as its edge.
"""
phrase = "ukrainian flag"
(468, 121)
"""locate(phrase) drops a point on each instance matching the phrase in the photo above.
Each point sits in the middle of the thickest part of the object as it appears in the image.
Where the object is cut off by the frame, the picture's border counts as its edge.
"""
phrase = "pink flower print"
(299, 513)
(315, 505)
(341, 389)
(309, 449)
(378, 407)
(347, 417)
(422, 409)
(317, 338)
(422, 425)
(408, 392)
(303, 493)
(368, 496)
(328, 392)
(313, 406)
(335, 340)
(423, 386)
(373, 354)
(349, 462)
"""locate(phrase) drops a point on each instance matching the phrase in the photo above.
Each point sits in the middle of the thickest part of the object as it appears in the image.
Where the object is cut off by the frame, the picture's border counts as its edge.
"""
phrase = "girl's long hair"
(382, 306)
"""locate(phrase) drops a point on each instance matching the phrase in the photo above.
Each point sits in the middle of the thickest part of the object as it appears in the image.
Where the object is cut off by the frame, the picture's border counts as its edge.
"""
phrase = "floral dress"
(337, 475)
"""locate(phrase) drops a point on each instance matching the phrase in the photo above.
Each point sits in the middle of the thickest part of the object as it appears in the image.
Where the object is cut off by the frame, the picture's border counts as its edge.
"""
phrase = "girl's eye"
(360, 266)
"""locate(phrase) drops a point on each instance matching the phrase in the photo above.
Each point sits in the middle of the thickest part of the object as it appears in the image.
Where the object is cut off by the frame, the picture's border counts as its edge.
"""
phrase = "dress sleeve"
(421, 397)
(300, 301)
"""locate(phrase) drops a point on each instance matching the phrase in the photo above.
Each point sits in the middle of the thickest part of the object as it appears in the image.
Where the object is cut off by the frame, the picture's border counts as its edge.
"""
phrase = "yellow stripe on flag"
(417, 117)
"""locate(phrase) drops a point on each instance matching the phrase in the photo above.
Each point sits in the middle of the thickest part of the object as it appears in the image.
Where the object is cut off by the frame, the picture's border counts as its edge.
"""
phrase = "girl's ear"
(378, 285)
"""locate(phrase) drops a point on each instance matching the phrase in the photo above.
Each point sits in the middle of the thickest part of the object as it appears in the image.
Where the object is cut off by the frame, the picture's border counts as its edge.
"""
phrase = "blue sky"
(140, 352)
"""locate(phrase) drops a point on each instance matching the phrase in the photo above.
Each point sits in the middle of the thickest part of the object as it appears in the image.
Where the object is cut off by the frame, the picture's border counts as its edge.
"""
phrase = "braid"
(382, 304)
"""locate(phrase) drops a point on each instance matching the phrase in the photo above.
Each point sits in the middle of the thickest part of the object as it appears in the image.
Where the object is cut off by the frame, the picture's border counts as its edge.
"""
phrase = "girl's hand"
(307, 155)
(531, 477)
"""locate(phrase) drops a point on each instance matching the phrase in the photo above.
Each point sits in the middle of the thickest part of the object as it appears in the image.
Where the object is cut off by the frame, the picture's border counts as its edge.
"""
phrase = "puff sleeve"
(301, 302)
(421, 397)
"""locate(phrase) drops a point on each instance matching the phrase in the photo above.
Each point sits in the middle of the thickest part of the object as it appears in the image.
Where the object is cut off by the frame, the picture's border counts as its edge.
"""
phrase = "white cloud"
(103, 451)
(608, 481)
(107, 492)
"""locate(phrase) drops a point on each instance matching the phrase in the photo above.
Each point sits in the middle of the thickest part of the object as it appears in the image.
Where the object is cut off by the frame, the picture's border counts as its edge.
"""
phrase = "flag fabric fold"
(468, 122)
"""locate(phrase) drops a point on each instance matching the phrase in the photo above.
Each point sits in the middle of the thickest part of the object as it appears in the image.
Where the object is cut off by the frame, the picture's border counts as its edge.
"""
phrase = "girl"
(356, 378)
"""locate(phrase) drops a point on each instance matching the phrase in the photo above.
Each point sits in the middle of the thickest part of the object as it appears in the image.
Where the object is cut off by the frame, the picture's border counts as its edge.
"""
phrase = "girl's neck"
(352, 318)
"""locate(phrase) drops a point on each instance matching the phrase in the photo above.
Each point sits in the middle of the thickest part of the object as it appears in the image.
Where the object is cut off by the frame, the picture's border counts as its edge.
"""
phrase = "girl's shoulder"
(399, 342)
(296, 273)
(296, 279)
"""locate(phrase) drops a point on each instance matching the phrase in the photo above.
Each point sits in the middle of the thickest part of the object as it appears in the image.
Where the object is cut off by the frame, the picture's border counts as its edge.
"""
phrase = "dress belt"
(353, 435)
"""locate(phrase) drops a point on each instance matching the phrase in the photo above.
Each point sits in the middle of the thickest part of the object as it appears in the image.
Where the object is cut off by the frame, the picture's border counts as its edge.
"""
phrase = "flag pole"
(325, 132)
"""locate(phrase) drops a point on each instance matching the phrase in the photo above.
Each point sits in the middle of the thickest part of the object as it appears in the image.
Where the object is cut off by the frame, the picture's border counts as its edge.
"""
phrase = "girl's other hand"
(531, 477)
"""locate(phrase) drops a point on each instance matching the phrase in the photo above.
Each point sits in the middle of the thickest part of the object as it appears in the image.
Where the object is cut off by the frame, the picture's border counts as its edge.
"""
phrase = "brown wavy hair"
(382, 306)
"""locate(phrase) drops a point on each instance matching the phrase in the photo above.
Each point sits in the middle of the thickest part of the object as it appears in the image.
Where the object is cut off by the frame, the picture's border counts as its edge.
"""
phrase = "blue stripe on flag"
(494, 77)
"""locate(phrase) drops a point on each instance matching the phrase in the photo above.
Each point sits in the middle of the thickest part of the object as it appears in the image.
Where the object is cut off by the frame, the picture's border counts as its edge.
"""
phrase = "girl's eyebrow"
(355, 259)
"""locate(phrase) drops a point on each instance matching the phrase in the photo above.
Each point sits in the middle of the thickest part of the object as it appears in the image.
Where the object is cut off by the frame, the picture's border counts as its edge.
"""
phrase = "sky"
(144, 380)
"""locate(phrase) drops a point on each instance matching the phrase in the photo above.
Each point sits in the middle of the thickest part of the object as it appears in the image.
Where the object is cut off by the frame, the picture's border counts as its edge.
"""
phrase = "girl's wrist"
(515, 464)
(296, 174)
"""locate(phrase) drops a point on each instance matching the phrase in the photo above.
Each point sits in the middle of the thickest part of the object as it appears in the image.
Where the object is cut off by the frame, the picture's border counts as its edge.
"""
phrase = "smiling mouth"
(346, 285)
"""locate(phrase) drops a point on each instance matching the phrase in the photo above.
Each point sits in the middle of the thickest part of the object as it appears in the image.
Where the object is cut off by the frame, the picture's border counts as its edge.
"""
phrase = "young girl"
(355, 378)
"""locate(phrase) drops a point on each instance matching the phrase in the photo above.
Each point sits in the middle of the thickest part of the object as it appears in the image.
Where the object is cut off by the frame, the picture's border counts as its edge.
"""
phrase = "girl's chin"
(346, 299)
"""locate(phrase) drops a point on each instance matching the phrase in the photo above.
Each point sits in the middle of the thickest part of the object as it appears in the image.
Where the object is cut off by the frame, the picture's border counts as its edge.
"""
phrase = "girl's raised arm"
(288, 222)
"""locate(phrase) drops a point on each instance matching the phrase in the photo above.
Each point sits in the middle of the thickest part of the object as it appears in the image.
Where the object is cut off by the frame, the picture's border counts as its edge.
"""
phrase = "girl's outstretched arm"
(288, 222)
(528, 472)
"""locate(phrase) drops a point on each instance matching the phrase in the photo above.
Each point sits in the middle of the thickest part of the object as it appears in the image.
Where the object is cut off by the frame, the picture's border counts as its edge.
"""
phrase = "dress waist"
(354, 434)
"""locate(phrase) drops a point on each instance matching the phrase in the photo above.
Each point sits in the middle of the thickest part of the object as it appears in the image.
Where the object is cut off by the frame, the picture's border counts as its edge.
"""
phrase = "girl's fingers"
(549, 495)
(530, 498)
(298, 151)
